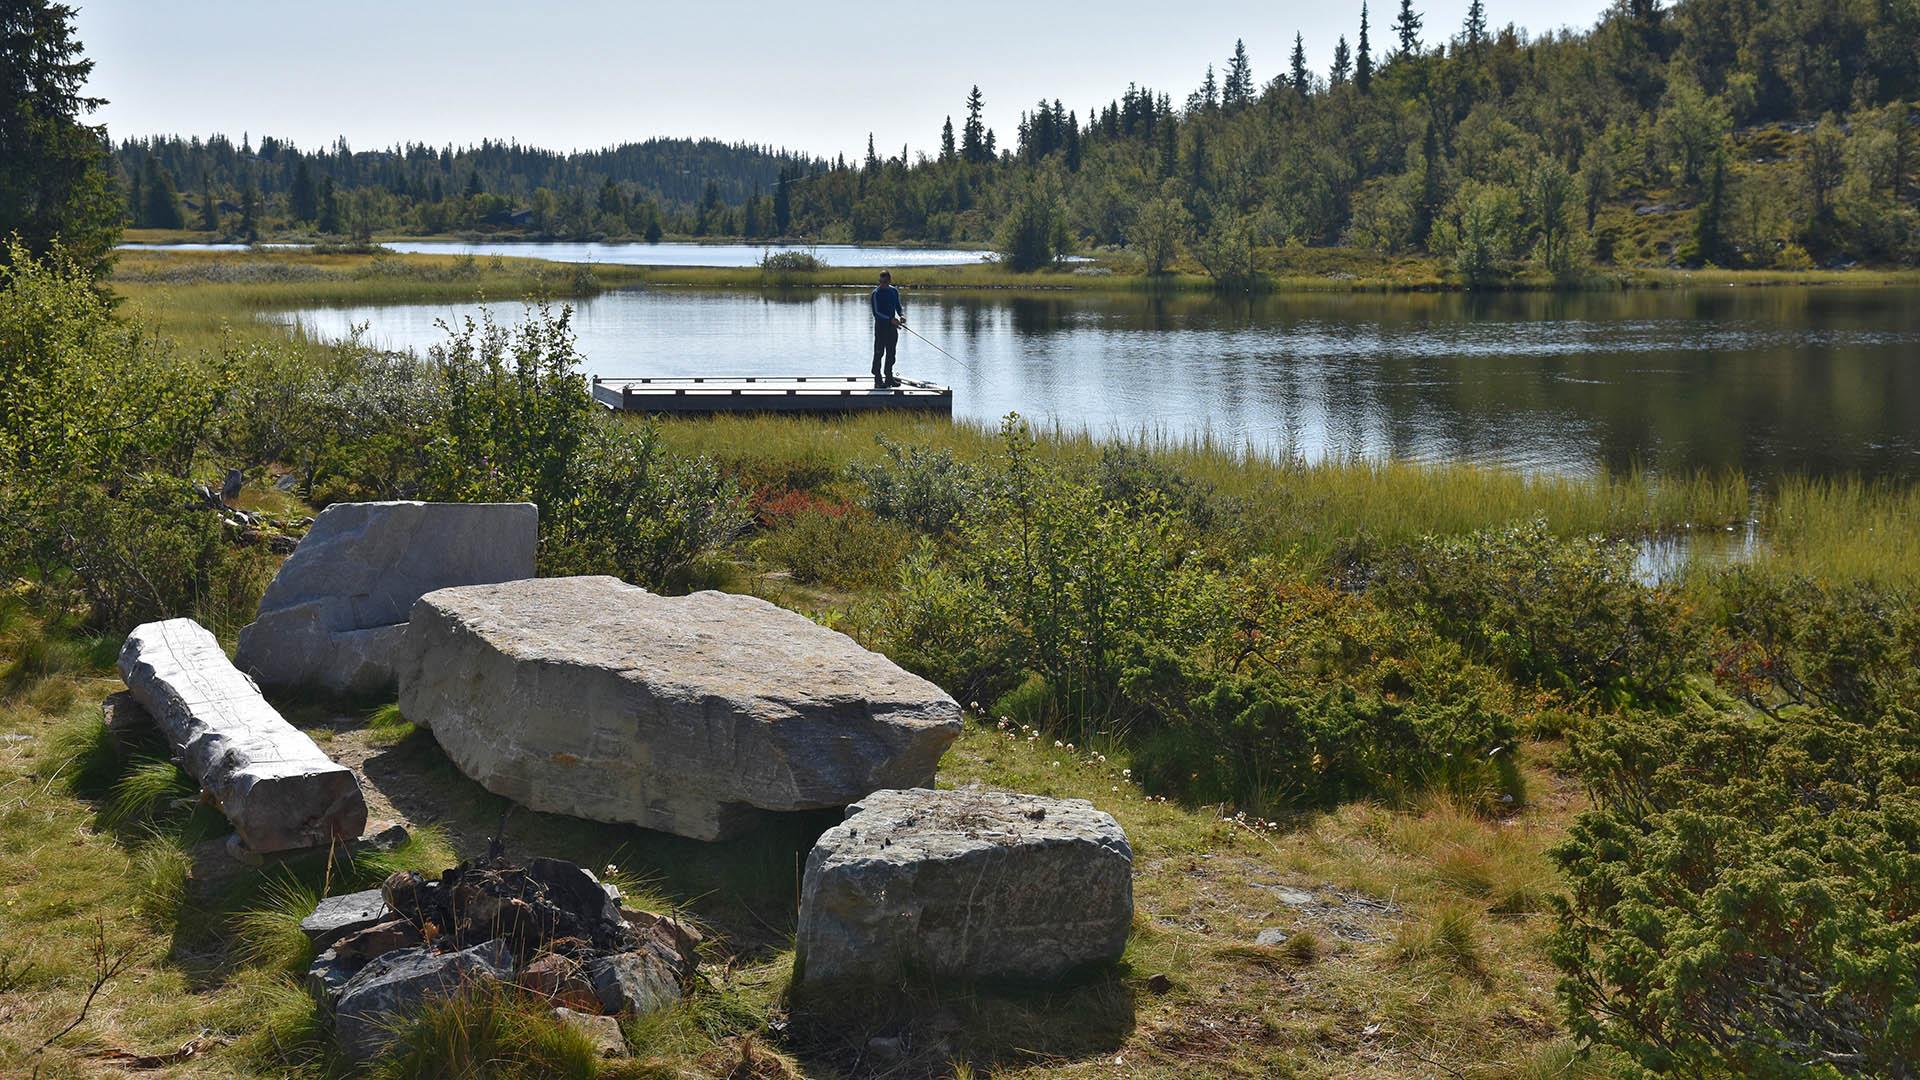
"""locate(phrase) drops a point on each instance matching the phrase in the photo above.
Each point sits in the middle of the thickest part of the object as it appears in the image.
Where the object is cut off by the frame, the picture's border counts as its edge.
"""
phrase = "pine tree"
(54, 182)
(1407, 26)
(162, 207)
(1363, 57)
(1210, 91)
(249, 211)
(947, 150)
(1302, 82)
(872, 164)
(973, 136)
(1342, 63)
(1238, 91)
(1710, 220)
(473, 184)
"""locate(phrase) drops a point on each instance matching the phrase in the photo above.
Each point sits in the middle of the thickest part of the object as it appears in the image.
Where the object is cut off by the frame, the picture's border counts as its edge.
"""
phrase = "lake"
(661, 254)
(1768, 380)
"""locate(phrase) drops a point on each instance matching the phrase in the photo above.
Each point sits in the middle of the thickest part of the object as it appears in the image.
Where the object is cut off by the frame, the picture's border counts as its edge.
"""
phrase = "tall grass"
(1313, 506)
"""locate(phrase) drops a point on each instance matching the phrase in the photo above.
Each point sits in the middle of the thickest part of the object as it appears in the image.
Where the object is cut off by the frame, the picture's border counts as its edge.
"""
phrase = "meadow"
(1386, 711)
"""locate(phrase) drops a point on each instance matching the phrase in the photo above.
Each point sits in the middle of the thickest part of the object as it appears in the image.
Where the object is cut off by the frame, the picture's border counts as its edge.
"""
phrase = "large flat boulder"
(592, 697)
(335, 615)
(276, 786)
(960, 885)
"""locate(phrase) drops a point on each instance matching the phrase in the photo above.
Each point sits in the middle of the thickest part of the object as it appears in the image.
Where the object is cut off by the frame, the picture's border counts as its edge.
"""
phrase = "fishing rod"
(971, 370)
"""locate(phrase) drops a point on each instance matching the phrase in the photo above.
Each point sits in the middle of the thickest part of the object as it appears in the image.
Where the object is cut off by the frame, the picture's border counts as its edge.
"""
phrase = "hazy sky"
(587, 73)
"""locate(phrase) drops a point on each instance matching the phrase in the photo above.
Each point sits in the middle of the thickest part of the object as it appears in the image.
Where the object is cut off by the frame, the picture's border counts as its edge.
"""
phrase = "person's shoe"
(891, 381)
(878, 382)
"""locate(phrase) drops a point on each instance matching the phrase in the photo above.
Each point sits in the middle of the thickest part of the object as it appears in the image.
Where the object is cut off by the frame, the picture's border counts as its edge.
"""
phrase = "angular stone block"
(335, 617)
(273, 783)
(964, 885)
(337, 916)
(399, 983)
(591, 697)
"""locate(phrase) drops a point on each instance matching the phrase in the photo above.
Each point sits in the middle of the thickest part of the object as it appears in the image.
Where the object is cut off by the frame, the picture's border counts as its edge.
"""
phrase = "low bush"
(845, 550)
(921, 487)
(1564, 614)
(1745, 893)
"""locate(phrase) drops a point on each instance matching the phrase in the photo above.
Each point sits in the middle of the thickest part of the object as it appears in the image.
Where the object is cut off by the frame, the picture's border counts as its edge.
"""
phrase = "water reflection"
(1767, 380)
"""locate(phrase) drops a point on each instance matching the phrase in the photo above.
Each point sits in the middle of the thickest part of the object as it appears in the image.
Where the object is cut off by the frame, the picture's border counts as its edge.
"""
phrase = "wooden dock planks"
(823, 394)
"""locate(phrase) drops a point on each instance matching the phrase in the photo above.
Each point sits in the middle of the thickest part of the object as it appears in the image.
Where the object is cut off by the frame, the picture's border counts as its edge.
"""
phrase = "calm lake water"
(1771, 381)
(662, 254)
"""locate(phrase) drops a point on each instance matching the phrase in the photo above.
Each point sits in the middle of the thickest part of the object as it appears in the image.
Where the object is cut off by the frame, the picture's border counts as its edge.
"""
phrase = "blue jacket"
(886, 304)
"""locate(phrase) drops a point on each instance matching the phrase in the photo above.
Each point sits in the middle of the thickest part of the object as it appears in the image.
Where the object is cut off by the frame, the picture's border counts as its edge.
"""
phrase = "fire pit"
(550, 929)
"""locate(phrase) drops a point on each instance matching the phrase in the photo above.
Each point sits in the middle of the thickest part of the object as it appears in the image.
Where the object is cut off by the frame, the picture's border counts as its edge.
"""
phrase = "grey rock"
(603, 1030)
(329, 974)
(337, 916)
(272, 782)
(689, 714)
(636, 983)
(391, 986)
(1287, 895)
(964, 885)
(335, 616)
(1270, 936)
(230, 487)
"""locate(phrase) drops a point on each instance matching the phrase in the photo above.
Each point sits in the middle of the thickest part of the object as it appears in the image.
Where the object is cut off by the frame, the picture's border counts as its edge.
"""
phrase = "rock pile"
(689, 714)
(335, 614)
(964, 885)
(549, 928)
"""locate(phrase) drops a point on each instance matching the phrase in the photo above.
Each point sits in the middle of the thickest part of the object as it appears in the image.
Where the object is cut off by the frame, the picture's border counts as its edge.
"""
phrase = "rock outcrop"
(279, 790)
(964, 885)
(689, 714)
(336, 613)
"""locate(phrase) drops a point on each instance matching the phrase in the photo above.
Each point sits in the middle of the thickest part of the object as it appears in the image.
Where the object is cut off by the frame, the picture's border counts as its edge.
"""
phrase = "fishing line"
(971, 370)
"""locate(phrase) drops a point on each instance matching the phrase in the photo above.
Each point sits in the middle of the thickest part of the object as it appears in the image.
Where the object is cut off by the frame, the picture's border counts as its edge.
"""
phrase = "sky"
(582, 74)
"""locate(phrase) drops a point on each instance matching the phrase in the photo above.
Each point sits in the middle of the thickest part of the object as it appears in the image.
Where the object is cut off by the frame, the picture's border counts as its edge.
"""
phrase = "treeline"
(1758, 133)
(639, 189)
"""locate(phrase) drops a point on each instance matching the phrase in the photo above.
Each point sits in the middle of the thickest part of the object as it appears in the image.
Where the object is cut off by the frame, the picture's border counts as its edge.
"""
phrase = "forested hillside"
(1753, 133)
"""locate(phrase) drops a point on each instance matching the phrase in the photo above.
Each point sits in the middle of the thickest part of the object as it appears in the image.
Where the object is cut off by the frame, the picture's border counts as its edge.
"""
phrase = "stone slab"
(335, 616)
(689, 714)
(274, 784)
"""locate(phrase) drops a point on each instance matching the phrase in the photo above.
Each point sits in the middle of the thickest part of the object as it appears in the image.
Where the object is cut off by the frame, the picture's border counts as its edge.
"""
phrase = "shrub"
(845, 550)
(1852, 648)
(923, 488)
(1563, 614)
(1745, 893)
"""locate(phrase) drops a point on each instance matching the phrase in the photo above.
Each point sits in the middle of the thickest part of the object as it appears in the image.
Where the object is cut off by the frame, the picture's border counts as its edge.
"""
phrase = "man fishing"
(888, 318)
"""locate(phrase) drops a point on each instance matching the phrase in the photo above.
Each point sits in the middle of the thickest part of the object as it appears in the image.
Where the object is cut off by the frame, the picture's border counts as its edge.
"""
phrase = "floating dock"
(769, 394)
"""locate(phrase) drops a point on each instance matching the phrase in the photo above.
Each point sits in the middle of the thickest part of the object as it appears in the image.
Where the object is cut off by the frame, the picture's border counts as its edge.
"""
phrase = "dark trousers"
(886, 342)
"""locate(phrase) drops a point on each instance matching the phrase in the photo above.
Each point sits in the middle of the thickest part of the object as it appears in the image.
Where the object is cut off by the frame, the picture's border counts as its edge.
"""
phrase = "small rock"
(328, 975)
(338, 916)
(359, 946)
(386, 839)
(13, 737)
(1271, 936)
(637, 982)
(399, 982)
(603, 1030)
(287, 482)
(1287, 895)
(1159, 984)
(886, 1049)
(230, 487)
(560, 980)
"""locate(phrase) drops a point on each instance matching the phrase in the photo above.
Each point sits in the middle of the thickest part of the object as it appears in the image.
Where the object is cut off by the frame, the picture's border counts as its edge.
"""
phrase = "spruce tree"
(330, 206)
(1342, 63)
(1474, 33)
(947, 149)
(1238, 92)
(54, 183)
(209, 210)
(1363, 57)
(302, 199)
(973, 136)
(873, 160)
(162, 209)
(1407, 26)
(783, 199)
(1302, 82)
(249, 211)
(1210, 91)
